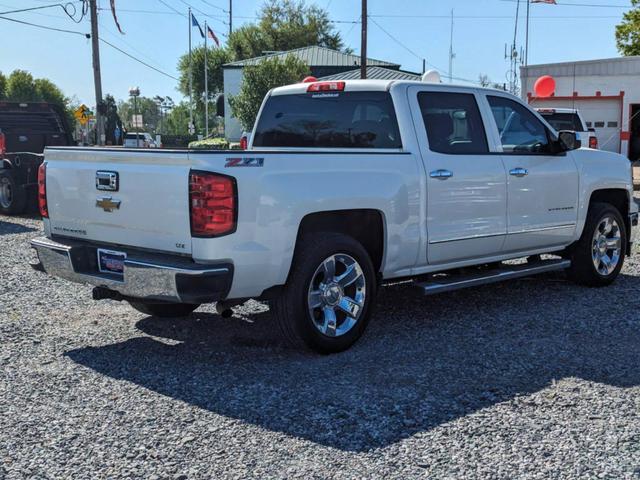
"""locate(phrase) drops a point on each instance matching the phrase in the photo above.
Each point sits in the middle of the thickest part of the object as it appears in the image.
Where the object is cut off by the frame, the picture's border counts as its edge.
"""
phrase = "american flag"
(212, 36)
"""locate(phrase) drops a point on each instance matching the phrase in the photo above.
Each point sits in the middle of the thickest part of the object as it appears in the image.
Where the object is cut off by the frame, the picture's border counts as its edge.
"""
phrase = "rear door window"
(329, 120)
(453, 123)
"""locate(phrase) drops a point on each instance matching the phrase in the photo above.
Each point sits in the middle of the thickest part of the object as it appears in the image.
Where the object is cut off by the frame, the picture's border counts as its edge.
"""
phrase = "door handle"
(441, 174)
(519, 172)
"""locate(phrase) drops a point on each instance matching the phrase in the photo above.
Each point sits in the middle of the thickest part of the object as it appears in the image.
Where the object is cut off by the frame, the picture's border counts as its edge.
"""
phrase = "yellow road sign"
(82, 114)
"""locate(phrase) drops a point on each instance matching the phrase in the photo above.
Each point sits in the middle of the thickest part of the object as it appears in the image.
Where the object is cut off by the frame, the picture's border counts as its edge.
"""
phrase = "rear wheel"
(327, 301)
(164, 310)
(597, 258)
(13, 198)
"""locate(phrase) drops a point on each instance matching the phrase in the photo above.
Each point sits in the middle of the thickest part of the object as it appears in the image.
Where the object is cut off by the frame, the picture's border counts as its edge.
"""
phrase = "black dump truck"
(25, 130)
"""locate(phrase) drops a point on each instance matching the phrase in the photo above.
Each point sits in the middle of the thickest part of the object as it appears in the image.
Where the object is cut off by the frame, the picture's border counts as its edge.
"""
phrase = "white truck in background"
(570, 119)
(345, 186)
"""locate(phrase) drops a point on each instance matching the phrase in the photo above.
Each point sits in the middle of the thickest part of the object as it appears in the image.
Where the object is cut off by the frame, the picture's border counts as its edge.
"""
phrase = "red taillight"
(213, 203)
(42, 190)
(593, 142)
(3, 145)
(326, 87)
(244, 143)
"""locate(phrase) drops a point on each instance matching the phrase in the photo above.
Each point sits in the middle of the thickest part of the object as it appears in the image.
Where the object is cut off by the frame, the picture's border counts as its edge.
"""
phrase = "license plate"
(110, 261)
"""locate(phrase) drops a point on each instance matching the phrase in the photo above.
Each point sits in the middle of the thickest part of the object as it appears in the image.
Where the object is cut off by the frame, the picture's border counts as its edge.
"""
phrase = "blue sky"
(414, 29)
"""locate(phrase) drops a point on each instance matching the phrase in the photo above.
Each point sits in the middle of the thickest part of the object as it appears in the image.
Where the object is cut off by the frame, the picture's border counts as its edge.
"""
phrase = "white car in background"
(139, 140)
(570, 119)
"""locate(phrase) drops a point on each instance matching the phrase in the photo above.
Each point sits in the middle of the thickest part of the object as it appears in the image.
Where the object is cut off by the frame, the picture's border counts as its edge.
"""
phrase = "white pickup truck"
(345, 186)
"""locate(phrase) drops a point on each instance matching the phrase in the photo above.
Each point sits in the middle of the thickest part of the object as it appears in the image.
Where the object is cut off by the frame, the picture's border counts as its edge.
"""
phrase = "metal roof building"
(375, 73)
(316, 57)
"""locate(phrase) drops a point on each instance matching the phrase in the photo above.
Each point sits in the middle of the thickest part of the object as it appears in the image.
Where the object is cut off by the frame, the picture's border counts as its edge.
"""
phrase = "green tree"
(285, 25)
(628, 32)
(3, 86)
(146, 107)
(47, 91)
(177, 120)
(112, 120)
(258, 80)
(215, 59)
(21, 87)
(281, 25)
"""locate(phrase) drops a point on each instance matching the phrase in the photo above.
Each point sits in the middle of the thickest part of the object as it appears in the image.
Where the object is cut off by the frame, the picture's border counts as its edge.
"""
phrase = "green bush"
(210, 144)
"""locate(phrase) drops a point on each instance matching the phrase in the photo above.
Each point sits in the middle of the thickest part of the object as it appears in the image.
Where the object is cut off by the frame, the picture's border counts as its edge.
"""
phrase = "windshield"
(329, 120)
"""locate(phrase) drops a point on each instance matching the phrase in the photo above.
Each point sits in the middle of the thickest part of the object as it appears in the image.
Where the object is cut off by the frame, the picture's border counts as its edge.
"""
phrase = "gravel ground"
(531, 379)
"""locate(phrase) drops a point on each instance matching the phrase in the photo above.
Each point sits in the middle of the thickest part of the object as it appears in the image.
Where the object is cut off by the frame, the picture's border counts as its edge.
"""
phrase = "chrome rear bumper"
(146, 276)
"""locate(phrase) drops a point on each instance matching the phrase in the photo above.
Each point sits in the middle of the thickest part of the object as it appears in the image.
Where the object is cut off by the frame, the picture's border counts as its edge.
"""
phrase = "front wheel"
(597, 258)
(327, 301)
(164, 310)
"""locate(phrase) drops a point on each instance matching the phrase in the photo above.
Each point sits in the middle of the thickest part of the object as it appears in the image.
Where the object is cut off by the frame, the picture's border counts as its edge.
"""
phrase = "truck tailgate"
(149, 206)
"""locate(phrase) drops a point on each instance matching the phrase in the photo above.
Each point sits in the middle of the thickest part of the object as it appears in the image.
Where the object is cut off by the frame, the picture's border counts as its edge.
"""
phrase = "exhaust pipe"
(101, 293)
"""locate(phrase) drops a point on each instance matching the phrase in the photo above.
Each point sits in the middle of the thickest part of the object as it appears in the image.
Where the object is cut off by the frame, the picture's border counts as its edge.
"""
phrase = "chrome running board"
(447, 282)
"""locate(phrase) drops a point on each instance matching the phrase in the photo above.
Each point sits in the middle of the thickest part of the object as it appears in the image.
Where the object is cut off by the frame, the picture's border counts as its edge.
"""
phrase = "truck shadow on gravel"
(11, 228)
(424, 361)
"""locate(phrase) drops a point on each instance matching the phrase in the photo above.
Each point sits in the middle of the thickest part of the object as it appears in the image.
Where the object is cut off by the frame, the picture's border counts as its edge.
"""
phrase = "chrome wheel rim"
(606, 246)
(337, 295)
(6, 194)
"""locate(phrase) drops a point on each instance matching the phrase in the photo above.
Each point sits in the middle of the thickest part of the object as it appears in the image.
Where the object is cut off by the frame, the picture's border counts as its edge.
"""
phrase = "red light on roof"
(309, 79)
(326, 87)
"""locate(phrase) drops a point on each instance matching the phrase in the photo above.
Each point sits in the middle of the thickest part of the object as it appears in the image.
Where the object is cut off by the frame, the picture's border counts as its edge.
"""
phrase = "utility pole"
(363, 44)
(526, 42)
(191, 130)
(206, 84)
(230, 17)
(97, 79)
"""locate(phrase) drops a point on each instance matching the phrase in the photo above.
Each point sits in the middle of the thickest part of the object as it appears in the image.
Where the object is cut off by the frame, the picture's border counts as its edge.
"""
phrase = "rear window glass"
(329, 120)
(453, 123)
(563, 121)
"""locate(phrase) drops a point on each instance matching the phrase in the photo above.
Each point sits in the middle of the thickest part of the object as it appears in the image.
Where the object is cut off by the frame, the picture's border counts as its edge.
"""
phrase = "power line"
(68, 8)
(214, 6)
(39, 8)
(119, 37)
(86, 35)
(172, 8)
(593, 5)
(138, 60)
(418, 56)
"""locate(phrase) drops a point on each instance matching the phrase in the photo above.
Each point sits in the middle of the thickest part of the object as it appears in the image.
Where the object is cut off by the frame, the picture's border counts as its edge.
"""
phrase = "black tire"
(13, 197)
(164, 310)
(292, 310)
(583, 270)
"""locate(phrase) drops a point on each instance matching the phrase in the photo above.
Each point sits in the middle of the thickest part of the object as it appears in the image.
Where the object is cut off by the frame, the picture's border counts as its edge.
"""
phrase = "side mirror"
(568, 140)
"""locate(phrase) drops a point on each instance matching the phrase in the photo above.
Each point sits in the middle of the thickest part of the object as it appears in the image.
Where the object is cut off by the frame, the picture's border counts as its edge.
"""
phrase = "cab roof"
(373, 85)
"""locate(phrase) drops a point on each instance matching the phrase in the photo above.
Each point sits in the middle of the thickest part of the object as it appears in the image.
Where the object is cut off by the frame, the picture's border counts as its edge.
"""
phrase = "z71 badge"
(244, 162)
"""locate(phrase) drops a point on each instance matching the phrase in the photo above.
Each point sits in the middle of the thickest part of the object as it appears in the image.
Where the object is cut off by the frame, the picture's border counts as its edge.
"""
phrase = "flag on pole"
(550, 2)
(212, 36)
(194, 23)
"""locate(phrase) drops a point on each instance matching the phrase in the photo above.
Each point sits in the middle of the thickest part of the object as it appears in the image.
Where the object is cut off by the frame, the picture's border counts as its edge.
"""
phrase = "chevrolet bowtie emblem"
(108, 204)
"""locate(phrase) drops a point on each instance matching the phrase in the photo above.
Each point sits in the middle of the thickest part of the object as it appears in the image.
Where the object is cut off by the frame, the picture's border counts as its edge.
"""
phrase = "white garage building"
(607, 93)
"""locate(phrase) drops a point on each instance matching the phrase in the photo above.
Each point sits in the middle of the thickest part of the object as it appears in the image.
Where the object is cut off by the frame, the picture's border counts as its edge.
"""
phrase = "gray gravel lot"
(531, 379)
